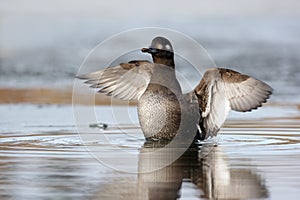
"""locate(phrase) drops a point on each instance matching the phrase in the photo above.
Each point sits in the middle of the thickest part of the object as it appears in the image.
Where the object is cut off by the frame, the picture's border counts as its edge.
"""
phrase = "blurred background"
(43, 43)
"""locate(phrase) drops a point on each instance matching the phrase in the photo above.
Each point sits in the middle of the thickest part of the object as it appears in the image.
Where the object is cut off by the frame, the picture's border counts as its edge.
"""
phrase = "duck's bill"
(149, 50)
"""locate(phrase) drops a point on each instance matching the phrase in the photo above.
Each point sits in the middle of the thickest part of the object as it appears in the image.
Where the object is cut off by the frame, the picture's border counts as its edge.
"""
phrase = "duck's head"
(161, 51)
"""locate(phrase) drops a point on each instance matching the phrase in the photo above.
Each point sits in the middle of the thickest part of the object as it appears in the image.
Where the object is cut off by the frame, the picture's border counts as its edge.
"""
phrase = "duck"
(161, 104)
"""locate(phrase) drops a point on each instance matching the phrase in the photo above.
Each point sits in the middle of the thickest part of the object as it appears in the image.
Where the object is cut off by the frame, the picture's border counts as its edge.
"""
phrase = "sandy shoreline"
(64, 96)
(51, 96)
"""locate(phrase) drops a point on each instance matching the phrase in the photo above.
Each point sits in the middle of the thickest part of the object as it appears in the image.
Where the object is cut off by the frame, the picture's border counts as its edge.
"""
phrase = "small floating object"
(99, 125)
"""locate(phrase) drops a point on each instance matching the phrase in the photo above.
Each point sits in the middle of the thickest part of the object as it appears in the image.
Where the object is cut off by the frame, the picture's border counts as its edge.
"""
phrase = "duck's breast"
(159, 112)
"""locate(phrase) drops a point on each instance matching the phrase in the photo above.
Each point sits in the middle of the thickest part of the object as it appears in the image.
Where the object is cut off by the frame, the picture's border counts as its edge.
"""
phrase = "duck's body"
(162, 108)
(159, 108)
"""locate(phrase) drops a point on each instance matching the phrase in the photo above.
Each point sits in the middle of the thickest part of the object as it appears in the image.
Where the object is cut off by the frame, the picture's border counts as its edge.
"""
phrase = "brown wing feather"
(127, 81)
(245, 93)
(223, 89)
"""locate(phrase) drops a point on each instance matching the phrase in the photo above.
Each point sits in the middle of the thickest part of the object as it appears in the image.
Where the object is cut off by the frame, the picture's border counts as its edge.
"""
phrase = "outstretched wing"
(127, 81)
(221, 90)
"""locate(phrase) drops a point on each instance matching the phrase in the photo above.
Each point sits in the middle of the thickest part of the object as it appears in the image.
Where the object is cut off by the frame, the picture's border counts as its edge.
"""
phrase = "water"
(44, 158)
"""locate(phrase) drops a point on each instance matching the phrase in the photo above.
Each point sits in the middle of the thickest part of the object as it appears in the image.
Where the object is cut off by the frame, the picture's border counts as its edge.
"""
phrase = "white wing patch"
(217, 109)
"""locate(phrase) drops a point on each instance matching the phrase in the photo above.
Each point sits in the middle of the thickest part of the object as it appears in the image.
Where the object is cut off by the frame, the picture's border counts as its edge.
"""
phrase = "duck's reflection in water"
(201, 172)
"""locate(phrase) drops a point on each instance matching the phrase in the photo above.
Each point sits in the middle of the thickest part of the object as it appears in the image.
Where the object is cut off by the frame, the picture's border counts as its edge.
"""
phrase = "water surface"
(44, 158)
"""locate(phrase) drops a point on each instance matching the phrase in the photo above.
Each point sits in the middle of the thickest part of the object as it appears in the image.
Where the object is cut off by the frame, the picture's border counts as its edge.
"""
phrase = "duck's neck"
(168, 61)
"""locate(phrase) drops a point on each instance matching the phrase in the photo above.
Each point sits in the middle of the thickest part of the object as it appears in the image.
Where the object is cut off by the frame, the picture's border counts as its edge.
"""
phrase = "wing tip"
(86, 76)
(81, 76)
(261, 103)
